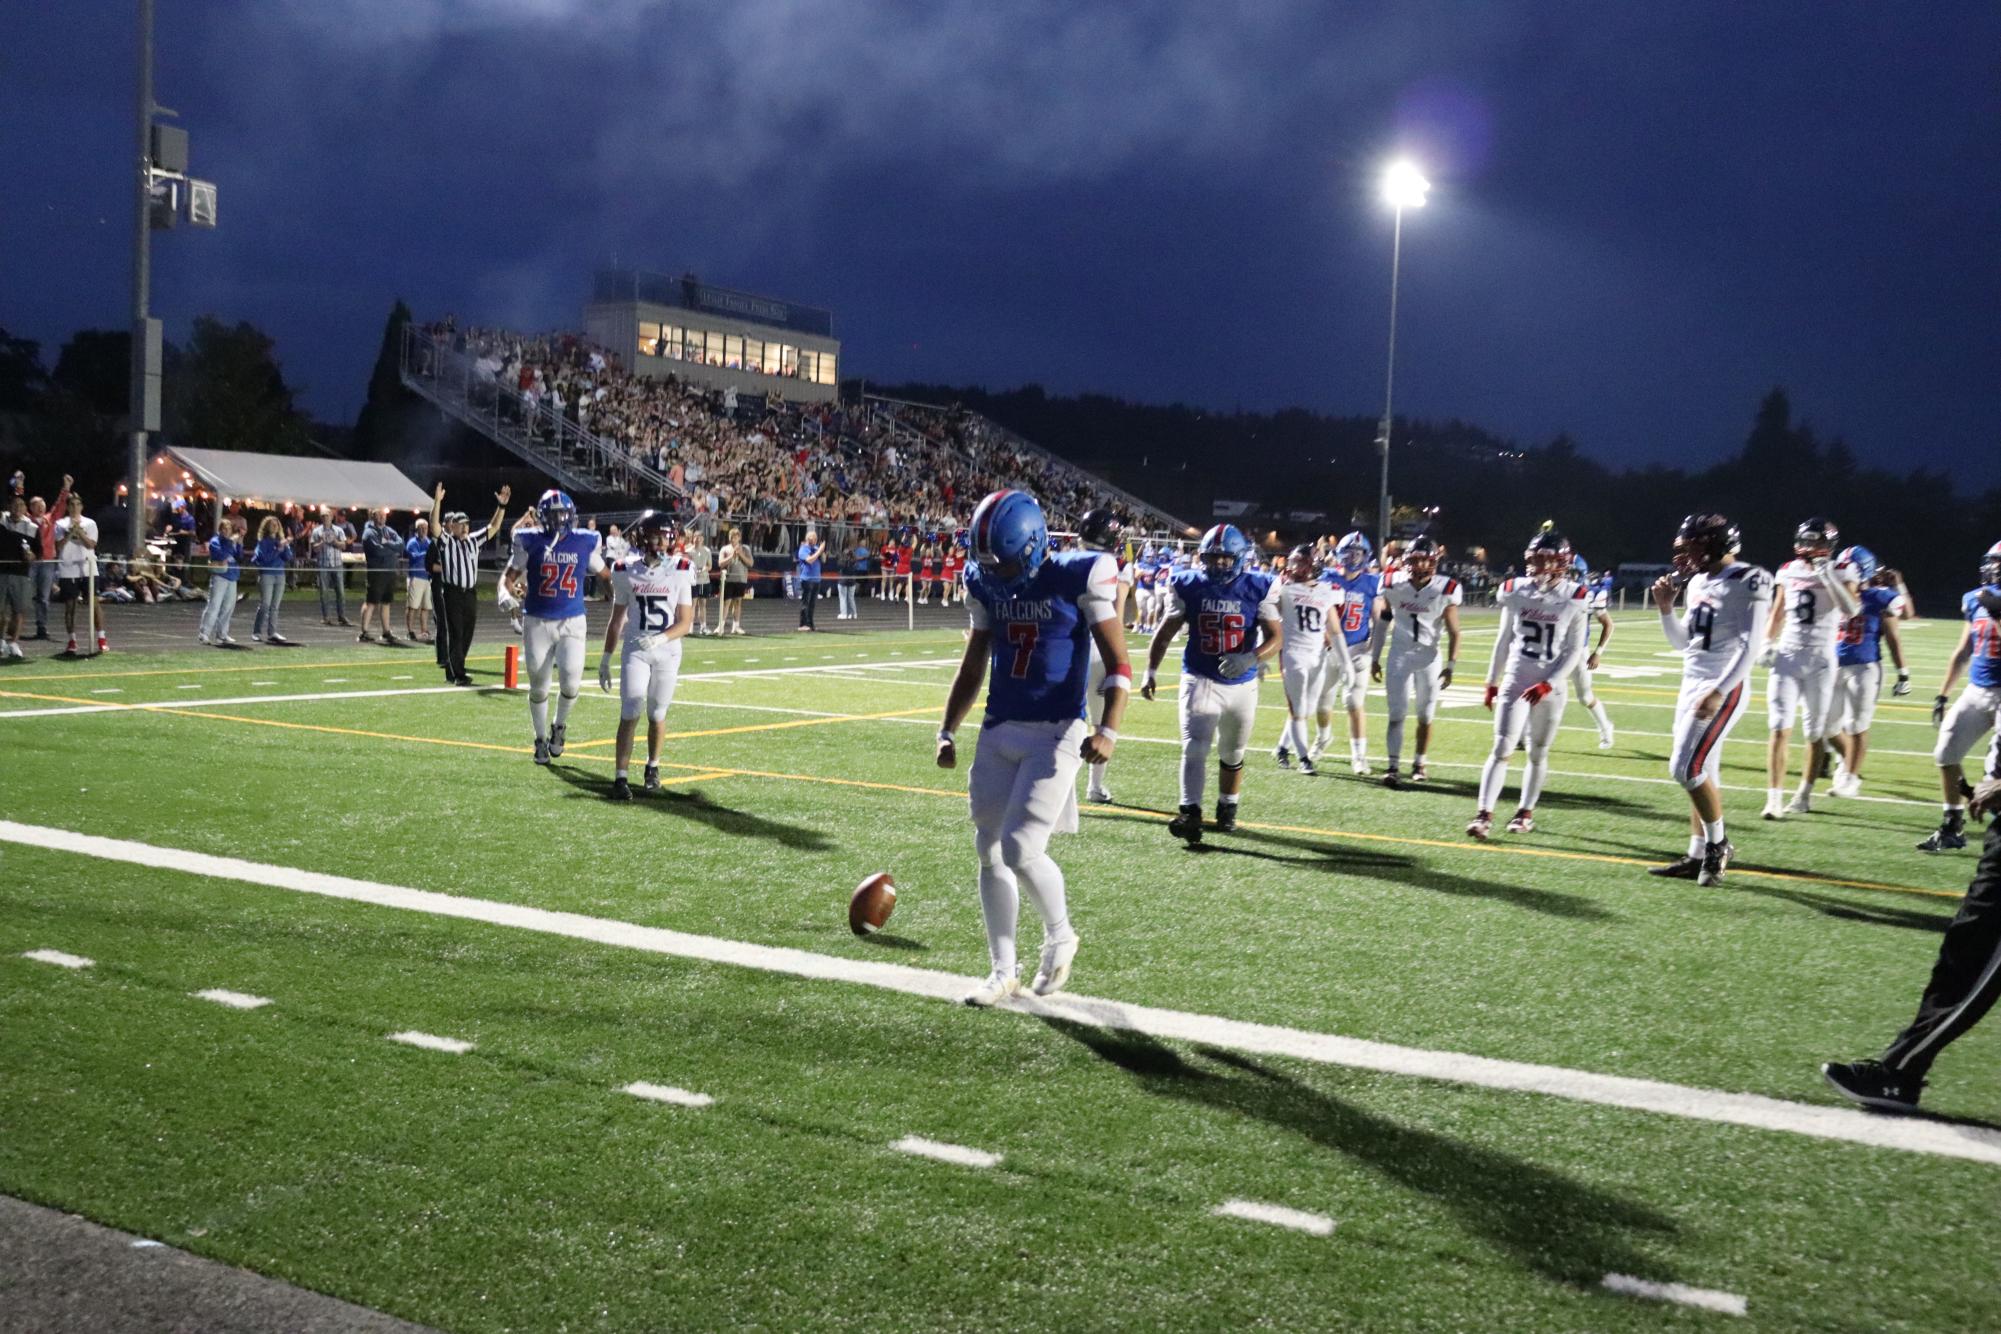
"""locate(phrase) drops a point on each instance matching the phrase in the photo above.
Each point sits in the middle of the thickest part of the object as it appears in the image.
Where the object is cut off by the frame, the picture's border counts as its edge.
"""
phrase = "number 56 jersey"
(1722, 609)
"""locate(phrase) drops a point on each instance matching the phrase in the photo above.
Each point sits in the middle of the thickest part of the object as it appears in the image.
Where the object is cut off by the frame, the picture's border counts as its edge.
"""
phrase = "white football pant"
(1514, 717)
(1349, 692)
(1856, 687)
(1697, 750)
(1410, 671)
(1802, 681)
(1304, 686)
(1213, 715)
(1094, 684)
(1977, 710)
(1022, 789)
(646, 678)
(552, 648)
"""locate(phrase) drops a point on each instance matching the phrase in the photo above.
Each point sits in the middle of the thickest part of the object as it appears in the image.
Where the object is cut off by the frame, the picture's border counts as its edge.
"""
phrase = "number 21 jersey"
(1722, 608)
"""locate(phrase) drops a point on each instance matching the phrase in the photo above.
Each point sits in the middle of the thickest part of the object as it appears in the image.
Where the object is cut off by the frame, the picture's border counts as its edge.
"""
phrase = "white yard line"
(667, 1093)
(431, 1042)
(957, 1154)
(235, 1000)
(58, 958)
(1709, 1299)
(1908, 1134)
(1320, 1225)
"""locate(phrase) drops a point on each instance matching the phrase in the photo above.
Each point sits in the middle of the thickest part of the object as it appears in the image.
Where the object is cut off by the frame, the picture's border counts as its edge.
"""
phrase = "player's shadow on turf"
(1403, 870)
(1871, 914)
(1469, 789)
(1541, 1219)
(695, 806)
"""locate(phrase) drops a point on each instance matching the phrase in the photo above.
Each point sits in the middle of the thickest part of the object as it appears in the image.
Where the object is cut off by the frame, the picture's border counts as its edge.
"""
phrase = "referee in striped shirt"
(457, 555)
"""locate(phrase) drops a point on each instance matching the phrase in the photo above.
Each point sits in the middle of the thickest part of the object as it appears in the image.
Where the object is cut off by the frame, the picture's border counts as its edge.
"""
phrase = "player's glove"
(1493, 693)
(604, 672)
(1768, 655)
(1903, 686)
(1376, 670)
(1236, 664)
(1938, 711)
(1445, 676)
(1537, 693)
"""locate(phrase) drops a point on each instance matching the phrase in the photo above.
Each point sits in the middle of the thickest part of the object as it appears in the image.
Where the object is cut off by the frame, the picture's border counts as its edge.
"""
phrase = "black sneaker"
(556, 740)
(1715, 861)
(1874, 1084)
(363, 638)
(1226, 817)
(1681, 868)
(1418, 775)
(1392, 778)
(1187, 825)
(1945, 838)
(1283, 756)
(652, 779)
(621, 790)
(541, 751)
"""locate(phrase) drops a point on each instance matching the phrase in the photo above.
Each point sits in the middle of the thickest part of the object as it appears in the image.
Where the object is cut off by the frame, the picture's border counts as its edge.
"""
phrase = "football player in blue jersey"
(1348, 675)
(1598, 605)
(1232, 615)
(1036, 617)
(1859, 674)
(550, 572)
(1977, 711)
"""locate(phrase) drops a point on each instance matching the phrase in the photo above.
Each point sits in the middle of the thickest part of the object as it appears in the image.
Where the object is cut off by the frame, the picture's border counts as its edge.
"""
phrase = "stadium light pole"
(1403, 186)
(142, 275)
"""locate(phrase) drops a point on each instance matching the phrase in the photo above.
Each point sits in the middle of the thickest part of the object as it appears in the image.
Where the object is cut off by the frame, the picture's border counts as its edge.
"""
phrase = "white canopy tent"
(271, 481)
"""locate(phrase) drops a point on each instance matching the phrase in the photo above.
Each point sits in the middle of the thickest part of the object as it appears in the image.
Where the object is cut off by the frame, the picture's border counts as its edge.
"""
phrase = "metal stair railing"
(576, 459)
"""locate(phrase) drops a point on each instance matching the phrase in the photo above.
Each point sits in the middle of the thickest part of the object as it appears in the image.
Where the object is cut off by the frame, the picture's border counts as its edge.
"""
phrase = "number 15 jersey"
(652, 595)
(1722, 609)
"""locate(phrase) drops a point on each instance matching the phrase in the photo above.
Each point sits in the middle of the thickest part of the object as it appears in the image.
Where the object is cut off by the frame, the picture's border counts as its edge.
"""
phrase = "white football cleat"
(1605, 741)
(1360, 768)
(1314, 754)
(1482, 827)
(1055, 968)
(1100, 796)
(998, 987)
(1801, 804)
(1523, 823)
(1775, 807)
(1848, 785)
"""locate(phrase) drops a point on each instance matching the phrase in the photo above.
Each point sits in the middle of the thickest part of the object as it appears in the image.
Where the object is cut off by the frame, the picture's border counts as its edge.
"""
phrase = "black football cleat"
(556, 733)
(541, 751)
(1715, 861)
(1187, 825)
(1681, 868)
(1943, 839)
(621, 790)
(1226, 817)
(1283, 756)
(1874, 1085)
(1392, 778)
(652, 778)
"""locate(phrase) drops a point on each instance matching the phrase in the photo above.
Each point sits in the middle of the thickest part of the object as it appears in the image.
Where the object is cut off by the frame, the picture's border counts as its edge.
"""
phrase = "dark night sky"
(1644, 215)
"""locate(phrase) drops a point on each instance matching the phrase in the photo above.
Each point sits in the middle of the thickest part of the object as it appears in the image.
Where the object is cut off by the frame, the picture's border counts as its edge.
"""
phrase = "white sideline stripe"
(957, 1154)
(235, 1000)
(109, 690)
(405, 677)
(1709, 1299)
(192, 687)
(1320, 1225)
(1911, 1135)
(58, 958)
(431, 1042)
(264, 683)
(71, 709)
(667, 1093)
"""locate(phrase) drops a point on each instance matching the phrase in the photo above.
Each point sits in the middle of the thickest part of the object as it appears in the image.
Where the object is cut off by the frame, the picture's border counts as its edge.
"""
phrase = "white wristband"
(945, 735)
(1108, 734)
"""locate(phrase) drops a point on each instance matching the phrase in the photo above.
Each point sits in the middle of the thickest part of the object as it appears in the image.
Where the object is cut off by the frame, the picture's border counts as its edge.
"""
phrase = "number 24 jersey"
(557, 567)
(1722, 609)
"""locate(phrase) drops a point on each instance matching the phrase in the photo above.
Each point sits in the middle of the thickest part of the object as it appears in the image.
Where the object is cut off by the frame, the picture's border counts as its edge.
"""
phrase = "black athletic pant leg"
(1966, 980)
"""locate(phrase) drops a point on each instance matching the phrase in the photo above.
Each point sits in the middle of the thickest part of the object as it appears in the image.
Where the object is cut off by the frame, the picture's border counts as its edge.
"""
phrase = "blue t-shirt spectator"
(416, 547)
(809, 561)
(226, 553)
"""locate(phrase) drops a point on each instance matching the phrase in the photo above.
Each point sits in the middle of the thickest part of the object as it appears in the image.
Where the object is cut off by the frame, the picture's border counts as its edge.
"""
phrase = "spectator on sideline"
(458, 578)
(45, 573)
(854, 568)
(19, 539)
(76, 570)
(417, 599)
(181, 536)
(702, 567)
(616, 549)
(225, 557)
(270, 557)
(810, 553)
(328, 542)
(733, 558)
(381, 549)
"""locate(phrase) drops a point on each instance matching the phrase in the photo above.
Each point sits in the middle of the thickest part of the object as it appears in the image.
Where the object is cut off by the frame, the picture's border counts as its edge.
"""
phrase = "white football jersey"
(1415, 612)
(1546, 616)
(1306, 610)
(1812, 620)
(651, 595)
(1722, 608)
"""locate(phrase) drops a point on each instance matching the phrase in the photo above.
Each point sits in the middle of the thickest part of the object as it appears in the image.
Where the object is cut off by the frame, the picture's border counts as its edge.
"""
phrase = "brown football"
(874, 899)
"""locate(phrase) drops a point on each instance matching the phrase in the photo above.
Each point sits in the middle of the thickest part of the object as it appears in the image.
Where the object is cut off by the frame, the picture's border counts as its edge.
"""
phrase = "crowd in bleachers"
(717, 457)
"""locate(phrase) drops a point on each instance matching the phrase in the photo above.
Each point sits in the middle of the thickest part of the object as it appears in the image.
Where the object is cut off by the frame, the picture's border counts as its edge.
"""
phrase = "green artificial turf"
(516, 1188)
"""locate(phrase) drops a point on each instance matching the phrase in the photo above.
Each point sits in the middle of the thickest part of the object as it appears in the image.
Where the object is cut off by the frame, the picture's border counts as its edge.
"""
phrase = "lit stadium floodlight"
(1404, 185)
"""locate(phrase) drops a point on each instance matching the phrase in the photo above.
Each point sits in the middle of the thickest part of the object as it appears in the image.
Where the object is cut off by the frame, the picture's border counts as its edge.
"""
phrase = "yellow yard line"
(262, 666)
(774, 727)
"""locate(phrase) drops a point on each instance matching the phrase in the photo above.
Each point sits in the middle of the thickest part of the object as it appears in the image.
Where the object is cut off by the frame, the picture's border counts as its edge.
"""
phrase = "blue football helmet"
(555, 511)
(1010, 538)
(1862, 558)
(1223, 551)
(1990, 565)
(1352, 553)
(1581, 567)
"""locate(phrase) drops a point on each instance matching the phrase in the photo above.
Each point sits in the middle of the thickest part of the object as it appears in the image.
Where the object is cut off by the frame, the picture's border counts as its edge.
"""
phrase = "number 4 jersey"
(558, 567)
(652, 595)
(1722, 609)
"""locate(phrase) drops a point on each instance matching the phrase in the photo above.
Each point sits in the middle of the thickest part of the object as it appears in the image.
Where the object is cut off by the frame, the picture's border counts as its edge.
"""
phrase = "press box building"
(715, 335)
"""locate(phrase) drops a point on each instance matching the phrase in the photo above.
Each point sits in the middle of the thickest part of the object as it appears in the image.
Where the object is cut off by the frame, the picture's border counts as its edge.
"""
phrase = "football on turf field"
(874, 899)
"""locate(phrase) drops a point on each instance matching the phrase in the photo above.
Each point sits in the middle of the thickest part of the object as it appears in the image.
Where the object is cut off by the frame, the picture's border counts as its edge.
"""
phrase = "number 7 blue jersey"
(1040, 646)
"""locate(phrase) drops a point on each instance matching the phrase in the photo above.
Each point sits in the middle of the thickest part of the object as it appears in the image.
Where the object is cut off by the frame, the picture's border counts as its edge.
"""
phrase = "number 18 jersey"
(1722, 608)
